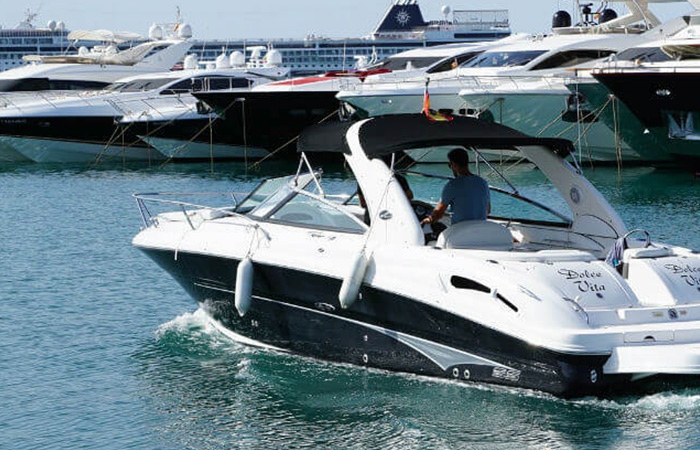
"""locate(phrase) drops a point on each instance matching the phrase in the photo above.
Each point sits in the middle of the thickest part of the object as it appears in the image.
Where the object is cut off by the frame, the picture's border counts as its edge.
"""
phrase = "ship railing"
(154, 105)
(188, 209)
(462, 81)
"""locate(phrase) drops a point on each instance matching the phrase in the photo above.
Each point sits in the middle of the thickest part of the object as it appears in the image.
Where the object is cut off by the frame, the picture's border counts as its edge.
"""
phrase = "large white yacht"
(84, 127)
(532, 297)
(520, 84)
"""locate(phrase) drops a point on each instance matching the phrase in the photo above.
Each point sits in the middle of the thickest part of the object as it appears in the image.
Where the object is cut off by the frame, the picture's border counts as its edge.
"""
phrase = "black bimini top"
(384, 135)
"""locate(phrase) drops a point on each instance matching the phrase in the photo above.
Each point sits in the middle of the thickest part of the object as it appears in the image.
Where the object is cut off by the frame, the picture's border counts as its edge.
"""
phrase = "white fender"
(353, 280)
(244, 286)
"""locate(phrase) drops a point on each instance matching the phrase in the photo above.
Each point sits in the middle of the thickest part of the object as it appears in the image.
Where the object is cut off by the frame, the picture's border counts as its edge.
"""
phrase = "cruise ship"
(402, 28)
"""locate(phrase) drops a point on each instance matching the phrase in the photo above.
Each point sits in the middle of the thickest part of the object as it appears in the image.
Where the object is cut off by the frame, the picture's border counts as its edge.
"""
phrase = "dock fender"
(244, 285)
(352, 282)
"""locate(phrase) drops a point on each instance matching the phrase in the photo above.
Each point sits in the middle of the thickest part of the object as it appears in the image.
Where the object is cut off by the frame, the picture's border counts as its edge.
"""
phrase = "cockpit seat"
(477, 235)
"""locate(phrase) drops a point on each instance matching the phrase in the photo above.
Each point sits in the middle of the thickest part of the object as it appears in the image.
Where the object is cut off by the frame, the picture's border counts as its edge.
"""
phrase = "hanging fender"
(244, 286)
(352, 282)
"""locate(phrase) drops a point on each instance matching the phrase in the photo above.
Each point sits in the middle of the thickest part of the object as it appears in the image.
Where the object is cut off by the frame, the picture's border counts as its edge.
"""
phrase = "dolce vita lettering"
(689, 274)
(585, 281)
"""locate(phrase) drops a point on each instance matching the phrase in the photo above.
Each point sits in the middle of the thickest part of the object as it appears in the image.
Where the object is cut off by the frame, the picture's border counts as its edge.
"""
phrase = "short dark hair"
(459, 157)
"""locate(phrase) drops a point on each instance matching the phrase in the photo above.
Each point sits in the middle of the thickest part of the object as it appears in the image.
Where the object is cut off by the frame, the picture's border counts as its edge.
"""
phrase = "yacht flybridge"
(524, 298)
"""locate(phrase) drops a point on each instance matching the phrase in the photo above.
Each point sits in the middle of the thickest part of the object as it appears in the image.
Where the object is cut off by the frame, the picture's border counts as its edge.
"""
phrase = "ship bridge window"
(647, 54)
(504, 59)
(572, 58)
(139, 85)
(453, 62)
(407, 63)
(24, 84)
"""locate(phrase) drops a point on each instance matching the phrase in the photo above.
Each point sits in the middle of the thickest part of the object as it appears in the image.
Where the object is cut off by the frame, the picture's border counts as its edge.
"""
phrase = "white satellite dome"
(51, 25)
(60, 25)
(83, 51)
(237, 59)
(274, 58)
(222, 61)
(190, 62)
(446, 10)
(155, 32)
(185, 31)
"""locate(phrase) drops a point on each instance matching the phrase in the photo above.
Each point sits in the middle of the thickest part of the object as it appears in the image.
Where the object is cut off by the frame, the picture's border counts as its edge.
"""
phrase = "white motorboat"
(524, 298)
(522, 84)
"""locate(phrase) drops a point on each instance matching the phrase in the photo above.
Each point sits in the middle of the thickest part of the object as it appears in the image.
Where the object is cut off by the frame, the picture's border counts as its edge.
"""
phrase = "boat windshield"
(504, 59)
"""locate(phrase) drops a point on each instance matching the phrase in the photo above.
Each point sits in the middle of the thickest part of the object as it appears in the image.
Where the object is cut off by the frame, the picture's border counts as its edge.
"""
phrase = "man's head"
(459, 161)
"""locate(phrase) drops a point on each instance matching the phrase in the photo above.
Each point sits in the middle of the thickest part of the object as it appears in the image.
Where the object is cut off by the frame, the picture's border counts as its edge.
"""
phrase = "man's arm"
(436, 215)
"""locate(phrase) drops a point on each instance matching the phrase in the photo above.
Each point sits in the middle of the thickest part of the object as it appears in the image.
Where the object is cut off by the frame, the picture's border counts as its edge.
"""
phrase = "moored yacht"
(523, 299)
(522, 84)
(50, 77)
(181, 128)
(85, 128)
(269, 117)
(657, 82)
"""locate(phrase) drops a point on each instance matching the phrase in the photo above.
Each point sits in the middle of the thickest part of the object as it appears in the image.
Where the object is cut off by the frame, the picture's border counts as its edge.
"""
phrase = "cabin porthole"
(365, 358)
(467, 374)
(455, 372)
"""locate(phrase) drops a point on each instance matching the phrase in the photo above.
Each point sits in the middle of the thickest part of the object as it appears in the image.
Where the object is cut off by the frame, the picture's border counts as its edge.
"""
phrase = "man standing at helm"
(467, 193)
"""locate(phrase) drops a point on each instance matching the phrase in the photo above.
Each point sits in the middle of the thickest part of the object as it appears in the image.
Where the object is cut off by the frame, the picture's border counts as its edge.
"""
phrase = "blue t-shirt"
(469, 197)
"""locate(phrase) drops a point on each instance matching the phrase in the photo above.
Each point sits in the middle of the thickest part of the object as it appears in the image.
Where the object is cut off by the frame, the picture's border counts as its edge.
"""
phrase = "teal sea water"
(100, 349)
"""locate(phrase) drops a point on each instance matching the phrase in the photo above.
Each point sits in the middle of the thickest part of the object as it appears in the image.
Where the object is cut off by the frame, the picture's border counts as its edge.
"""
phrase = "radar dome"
(51, 25)
(190, 62)
(561, 19)
(274, 58)
(185, 31)
(607, 15)
(222, 61)
(155, 32)
(446, 10)
(83, 51)
(60, 25)
(237, 59)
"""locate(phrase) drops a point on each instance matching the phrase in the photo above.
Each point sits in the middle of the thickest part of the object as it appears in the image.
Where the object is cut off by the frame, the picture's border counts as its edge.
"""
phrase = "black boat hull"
(267, 120)
(299, 312)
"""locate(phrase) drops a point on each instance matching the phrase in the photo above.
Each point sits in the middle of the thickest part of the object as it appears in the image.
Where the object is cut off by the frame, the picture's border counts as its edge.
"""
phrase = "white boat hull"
(177, 149)
(57, 151)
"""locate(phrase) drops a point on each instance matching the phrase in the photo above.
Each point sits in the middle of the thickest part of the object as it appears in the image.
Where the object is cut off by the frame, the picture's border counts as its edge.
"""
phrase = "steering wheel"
(422, 209)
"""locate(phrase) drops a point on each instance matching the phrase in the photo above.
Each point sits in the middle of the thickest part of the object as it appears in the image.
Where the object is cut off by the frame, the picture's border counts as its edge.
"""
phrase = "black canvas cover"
(384, 135)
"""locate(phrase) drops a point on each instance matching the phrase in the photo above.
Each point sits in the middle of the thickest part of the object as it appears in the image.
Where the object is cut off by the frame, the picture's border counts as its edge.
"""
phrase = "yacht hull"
(9, 154)
(653, 98)
(73, 139)
(202, 151)
(298, 311)
(269, 120)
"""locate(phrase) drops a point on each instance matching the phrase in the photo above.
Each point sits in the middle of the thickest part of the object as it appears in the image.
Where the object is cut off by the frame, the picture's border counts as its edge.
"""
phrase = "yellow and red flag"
(431, 114)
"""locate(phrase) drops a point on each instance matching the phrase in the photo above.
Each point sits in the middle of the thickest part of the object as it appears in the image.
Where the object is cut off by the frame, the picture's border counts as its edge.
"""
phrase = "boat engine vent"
(465, 283)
